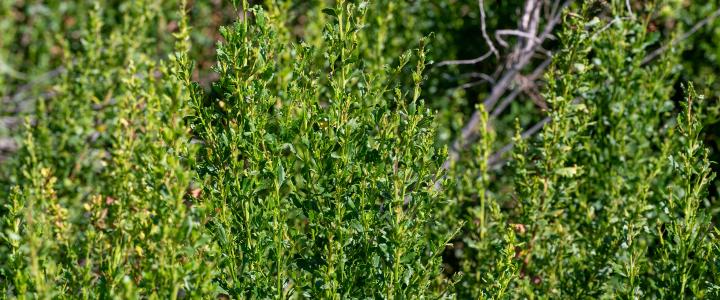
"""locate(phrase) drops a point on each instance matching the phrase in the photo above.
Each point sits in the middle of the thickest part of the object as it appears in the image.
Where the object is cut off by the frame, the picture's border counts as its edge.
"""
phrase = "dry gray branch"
(526, 35)
(516, 61)
(472, 84)
(539, 71)
(499, 89)
(483, 28)
(464, 61)
(484, 76)
(496, 158)
(683, 37)
(491, 45)
(502, 84)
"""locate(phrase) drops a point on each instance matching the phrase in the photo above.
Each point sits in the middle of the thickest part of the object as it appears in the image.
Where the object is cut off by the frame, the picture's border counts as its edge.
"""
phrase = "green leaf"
(280, 174)
(330, 12)
(567, 171)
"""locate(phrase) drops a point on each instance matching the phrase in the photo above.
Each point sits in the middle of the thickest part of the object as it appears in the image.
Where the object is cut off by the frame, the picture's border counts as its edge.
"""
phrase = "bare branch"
(607, 26)
(683, 37)
(530, 23)
(484, 76)
(505, 103)
(464, 61)
(471, 84)
(515, 32)
(539, 70)
(555, 8)
(497, 156)
(483, 28)
(497, 91)
(516, 62)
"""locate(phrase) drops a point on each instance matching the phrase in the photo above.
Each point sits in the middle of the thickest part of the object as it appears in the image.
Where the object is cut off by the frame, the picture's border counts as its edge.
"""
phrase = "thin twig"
(683, 37)
(555, 7)
(468, 85)
(532, 77)
(497, 156)
(607, 26)
(483, 28)
(484, 78)
(464, 61)
(487, 77)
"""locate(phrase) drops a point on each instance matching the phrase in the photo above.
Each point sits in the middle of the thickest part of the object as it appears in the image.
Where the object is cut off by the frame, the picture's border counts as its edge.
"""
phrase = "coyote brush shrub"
(309, 164)
(320, 174)
(100, 209)
(601, 204)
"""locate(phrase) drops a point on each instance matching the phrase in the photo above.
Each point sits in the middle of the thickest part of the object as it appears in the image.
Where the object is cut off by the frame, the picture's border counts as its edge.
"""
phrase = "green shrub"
(309, 163)
(100, 208)
(601, 205)
(320, 173)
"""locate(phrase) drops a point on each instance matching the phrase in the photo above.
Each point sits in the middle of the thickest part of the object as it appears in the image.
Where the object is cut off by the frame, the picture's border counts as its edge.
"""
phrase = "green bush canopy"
(354, 149)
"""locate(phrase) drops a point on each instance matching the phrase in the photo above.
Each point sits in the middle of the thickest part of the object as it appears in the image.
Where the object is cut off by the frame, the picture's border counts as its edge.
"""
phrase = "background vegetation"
(359, 149)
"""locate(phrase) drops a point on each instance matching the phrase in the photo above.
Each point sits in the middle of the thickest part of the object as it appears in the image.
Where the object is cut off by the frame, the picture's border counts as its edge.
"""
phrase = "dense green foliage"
(103, 213)
(308, 168)
(311, 160)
